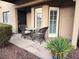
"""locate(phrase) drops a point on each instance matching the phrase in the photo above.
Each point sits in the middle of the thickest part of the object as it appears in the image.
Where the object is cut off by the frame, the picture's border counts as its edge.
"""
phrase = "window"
(38, 17)
(53, 21)
(6, 17)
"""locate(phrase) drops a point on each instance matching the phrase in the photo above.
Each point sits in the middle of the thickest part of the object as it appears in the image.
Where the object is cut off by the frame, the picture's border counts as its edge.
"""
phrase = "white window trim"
(7, 16)
(36, 17)
(54, 34)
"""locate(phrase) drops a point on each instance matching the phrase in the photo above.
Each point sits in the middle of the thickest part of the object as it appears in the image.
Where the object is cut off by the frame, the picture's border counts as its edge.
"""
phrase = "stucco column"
(45, 18)
(76, 25)
(32, 17)
(16, 20)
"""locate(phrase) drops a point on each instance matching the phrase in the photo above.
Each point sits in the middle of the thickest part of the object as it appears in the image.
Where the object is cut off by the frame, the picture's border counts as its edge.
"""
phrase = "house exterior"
(60, 16)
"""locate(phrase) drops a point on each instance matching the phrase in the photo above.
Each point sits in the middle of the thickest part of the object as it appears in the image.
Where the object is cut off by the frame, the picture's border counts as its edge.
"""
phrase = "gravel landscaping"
(74, 54)
(13, 52)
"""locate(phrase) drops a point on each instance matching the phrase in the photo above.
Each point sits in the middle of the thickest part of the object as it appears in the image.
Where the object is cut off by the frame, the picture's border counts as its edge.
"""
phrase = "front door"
(53, 21)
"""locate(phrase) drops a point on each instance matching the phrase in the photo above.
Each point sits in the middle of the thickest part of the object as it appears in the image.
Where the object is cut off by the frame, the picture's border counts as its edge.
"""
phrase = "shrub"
(5, 34)
(59, 46)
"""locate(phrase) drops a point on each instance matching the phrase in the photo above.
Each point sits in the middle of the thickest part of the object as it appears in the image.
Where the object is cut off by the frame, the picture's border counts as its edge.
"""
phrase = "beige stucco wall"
(5, 6)
(45, 16)
(28, 16)
(32, 17)
(66, 22)
(76, 25)
(45, 19)
(66, 19)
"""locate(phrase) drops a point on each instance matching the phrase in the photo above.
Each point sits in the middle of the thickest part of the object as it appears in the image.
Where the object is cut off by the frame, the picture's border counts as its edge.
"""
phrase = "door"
(21, 19)
(53, 21)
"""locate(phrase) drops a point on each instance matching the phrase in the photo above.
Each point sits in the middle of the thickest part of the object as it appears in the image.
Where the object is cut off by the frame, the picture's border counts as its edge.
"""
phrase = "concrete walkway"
(32, 46)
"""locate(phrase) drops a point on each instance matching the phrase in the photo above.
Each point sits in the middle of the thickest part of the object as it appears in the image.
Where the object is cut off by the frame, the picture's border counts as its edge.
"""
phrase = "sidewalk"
(32, 46)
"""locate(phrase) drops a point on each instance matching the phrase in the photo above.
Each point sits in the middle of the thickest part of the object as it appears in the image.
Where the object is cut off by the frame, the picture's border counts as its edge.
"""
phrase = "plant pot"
(58, 56)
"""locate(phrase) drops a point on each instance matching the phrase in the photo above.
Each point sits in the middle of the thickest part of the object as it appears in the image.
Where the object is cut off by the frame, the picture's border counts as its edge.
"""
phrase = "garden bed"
(13, 52)
(73, 54)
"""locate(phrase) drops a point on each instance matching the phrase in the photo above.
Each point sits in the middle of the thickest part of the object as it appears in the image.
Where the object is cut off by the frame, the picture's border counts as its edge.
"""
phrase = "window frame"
(35, 21)
(57, 22)
(5, 21)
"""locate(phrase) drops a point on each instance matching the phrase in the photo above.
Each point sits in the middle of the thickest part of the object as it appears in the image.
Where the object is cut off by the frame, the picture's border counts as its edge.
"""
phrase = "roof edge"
(31, 3)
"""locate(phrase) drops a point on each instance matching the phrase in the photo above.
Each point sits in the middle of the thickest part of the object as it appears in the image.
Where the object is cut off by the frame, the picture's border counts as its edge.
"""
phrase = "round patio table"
(30, 29)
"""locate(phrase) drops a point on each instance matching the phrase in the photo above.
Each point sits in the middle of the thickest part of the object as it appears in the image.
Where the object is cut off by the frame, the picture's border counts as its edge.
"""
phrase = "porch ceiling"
(50, 2)
(19, 2)
(62, 3)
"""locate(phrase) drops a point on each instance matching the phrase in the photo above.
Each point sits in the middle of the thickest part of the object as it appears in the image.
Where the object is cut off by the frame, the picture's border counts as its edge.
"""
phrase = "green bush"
(5, 34)
(59, 46)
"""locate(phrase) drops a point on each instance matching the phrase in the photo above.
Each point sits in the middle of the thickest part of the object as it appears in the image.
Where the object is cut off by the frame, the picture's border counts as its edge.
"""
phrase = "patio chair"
(39, 34)
(43, 31)
(25, 33)
(34, 34)
(22, 29)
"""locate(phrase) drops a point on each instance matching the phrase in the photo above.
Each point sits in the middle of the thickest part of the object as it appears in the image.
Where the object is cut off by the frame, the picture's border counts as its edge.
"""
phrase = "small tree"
(59, 46)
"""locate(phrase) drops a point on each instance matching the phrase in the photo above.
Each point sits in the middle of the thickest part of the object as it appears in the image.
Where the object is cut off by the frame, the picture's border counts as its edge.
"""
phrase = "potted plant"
(58, 47)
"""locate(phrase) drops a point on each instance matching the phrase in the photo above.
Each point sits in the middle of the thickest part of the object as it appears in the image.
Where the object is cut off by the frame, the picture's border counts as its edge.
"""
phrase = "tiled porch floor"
(31, 46)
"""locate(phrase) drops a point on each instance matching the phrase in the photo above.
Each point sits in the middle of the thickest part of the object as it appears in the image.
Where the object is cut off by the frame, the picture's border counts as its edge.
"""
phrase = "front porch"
(70, 31)
(38, 49)
(58, 18)
(34, 47)
(66, 19)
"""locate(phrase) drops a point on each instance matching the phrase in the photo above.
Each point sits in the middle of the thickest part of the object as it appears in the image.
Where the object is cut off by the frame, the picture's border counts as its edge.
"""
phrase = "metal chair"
(25, 33)
(43, 31)
(22, 29)
(39, 34)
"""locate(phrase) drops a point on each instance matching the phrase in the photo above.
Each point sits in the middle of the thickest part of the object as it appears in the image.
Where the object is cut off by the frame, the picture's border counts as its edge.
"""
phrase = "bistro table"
(35, 34)
(29, 32)
(30, 28)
